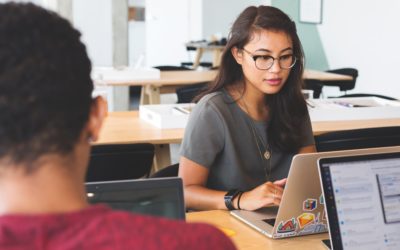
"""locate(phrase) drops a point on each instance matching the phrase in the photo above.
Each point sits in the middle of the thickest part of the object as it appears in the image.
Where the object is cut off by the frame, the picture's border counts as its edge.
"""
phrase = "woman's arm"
(308, 149)
(198, 197)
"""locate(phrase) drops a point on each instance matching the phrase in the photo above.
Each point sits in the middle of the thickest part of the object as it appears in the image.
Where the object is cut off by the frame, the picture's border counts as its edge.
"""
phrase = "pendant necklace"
(267, 155)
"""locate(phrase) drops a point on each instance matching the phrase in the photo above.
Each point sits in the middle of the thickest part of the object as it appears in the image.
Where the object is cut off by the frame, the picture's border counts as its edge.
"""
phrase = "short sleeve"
(204, 134)
(308, 136)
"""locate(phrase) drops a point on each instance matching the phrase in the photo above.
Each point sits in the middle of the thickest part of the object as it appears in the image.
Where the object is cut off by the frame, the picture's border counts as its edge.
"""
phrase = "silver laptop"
(156, 196)
(301, 211)
(362, 200)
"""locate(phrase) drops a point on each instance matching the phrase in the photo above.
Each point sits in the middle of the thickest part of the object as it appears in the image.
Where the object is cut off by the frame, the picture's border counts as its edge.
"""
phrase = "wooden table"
(170, 80)
(203, 47)
(325, 76)
(246, 238)
(127, 127)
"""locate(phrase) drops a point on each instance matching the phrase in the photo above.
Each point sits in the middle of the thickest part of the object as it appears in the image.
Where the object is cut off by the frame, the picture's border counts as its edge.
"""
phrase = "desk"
(204, 46)
(325, 76)
(246, 238)
(127, 127)
(170, 80)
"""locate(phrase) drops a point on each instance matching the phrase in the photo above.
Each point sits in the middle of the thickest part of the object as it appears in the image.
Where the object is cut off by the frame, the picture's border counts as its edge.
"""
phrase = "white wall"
(218, 15)
(94, 19)
(364, 34)
(167, 31)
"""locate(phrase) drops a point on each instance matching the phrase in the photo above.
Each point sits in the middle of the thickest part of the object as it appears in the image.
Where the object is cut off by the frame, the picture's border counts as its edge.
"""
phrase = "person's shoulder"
(170, 234)
(217, 100)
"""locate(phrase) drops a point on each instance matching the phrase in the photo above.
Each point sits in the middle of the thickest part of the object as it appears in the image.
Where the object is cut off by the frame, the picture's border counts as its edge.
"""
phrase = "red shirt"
(98, 227)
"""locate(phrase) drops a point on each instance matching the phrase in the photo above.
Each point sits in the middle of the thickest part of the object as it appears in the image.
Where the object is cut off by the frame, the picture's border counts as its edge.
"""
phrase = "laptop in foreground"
(301, 211)
(362, 195)
(157, 196)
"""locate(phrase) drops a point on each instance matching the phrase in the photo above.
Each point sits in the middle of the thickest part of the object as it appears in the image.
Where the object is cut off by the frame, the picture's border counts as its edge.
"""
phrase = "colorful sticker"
(309, 204)
(323, 215)
(305, 219)
(317, 217)
(313, 229)
(321, 199)
(288, 226)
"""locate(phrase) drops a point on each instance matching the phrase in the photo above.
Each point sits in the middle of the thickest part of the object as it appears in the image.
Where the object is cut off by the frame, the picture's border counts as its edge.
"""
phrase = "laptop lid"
(156, 196)
(362, 195)
(301, 211)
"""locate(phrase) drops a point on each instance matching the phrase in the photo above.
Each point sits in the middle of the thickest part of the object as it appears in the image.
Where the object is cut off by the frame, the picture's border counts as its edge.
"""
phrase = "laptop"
(156, 196)
(301, 211)
(362, 195)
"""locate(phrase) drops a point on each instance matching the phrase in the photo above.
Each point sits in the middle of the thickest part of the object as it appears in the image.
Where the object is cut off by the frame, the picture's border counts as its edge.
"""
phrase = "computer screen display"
(362, 195)
(158, 197)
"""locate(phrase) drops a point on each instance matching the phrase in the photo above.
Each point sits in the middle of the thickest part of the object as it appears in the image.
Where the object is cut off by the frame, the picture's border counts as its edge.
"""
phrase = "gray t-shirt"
(222, 137)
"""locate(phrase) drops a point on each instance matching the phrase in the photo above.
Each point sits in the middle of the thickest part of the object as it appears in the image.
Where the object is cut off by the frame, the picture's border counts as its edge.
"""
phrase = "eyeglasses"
(265, 62)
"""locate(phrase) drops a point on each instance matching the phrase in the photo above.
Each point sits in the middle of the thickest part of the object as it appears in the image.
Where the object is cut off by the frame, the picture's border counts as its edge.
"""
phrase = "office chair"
(315, 86)
(171, 68)
(345, 84)
(120, 161)
(358, 139)
(170, 171)
(186, 94)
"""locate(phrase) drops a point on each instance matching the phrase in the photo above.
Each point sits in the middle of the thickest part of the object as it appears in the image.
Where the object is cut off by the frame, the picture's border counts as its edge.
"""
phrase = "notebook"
(157, 196)
(362, 200)
(301, 211)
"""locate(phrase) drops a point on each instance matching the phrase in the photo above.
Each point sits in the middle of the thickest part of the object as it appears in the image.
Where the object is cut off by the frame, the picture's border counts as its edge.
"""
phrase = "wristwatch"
(228, 198)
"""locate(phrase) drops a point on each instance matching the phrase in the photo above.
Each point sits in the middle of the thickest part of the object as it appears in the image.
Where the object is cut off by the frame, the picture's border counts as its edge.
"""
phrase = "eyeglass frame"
(255, 57)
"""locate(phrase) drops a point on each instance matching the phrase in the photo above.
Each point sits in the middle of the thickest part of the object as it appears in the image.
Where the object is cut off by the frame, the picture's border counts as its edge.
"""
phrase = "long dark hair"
(287, 108)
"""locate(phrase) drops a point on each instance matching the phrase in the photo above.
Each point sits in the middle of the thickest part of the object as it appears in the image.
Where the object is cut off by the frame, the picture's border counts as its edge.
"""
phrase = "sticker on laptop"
(317, 217)
(305, 219)
(321, 199)
(313, 229)
(309, 204)
(287, 226)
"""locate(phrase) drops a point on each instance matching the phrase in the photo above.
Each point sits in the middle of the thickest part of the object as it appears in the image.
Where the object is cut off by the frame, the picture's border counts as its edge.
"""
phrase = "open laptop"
(301, 211)
(362, 200)
(156, 196)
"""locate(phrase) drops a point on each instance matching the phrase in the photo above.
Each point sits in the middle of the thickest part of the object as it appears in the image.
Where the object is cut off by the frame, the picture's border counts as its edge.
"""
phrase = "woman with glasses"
(248, 124)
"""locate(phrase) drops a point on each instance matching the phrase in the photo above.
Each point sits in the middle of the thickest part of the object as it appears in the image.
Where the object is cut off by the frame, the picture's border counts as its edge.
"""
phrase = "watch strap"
(229, 197)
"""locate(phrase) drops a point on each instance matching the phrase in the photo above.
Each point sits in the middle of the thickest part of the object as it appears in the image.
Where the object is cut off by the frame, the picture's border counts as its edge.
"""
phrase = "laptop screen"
(362, 196)
(156, 196)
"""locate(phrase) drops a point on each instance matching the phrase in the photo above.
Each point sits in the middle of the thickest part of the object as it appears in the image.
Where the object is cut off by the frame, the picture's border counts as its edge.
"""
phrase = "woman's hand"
(266, 194)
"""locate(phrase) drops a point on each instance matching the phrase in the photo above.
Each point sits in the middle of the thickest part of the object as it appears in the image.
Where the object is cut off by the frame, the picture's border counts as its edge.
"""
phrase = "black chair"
(171, 68)
(120, 161)
(370, 95)
(315, 86)
(170, 171)
(343, 85)
(358, 139)
(187, 93)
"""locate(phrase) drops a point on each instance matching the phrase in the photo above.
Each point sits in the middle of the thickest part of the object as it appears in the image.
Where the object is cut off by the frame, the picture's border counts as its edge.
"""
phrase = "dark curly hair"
(288, 108)
(45, 84)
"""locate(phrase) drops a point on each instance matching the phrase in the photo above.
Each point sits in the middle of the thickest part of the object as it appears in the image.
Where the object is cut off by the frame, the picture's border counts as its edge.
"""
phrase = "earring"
(89, 139)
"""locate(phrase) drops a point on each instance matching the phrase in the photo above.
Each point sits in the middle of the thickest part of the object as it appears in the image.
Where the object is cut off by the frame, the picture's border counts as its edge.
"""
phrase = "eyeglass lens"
(266, 62)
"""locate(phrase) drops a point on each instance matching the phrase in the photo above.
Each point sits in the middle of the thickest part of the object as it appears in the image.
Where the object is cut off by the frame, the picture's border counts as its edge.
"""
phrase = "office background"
(362, 34)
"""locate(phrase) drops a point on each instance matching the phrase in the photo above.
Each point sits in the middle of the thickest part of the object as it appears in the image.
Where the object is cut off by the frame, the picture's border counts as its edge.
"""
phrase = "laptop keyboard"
(270, 221)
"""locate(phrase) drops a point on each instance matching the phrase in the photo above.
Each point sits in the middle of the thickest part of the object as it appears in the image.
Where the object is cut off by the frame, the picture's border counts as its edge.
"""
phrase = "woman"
(244, 131)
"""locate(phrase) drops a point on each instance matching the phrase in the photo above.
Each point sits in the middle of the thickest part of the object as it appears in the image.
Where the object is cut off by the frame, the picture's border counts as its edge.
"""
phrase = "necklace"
(267, 155)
